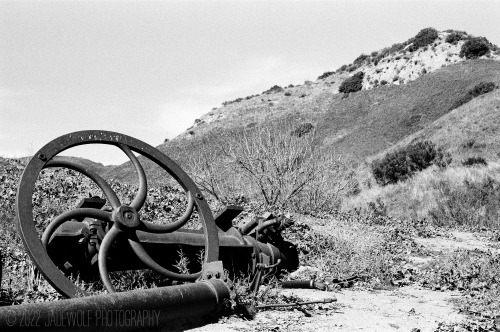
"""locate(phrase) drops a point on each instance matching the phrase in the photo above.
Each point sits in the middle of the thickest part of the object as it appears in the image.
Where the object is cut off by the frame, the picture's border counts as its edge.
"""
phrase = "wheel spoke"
(47, 157)
(103, 257)
(72, 214)
(139, 200)
(146, 259)
(173, 226)
(105, 187)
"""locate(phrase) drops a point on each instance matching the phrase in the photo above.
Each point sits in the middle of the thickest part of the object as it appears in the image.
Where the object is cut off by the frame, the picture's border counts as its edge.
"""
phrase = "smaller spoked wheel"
(124, 218)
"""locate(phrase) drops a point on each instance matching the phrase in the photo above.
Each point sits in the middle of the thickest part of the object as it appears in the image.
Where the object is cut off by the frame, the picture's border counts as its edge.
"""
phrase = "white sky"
(148, 69)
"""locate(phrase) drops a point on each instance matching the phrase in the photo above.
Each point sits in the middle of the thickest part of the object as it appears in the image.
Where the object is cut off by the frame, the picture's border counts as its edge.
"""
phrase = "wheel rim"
(45, 158)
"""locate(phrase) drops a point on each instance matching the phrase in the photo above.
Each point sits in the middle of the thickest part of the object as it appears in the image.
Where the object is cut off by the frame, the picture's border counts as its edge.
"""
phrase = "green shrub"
(303, 129)
(383, 82)
(343, 68)
(353, 83)
(471, 161)
(402, 164)
(385, 52)
(475, 48)
(273, 89)
(250, 97)
(360, 59)
(377, 59)
(423, 38)
(288, 93)
(478, 90)
(325, 75)
(454, 37)
(482, 88)
(460, 101)
(229, 102)
(396, 48)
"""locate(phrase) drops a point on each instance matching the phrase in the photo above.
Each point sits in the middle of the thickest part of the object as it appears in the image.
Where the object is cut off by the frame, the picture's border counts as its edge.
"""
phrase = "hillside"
(467, 131)
(405, 88)
(370, 121)
(430, 81)
(395, 65)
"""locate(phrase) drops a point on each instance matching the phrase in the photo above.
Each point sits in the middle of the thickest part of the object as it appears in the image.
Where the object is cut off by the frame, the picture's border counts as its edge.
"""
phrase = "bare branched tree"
(275, 169)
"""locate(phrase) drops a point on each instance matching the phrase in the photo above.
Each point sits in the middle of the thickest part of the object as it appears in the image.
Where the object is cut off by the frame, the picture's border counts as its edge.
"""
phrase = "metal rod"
(148, 309)
(142, 193)
(102, 260)
(58, 161)
(281, 305)
(311, 284)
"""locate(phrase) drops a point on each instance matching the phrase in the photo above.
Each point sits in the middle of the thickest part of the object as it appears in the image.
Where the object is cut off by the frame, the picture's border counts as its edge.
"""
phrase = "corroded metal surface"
(97, 239)
(125, 218)
(148, 309)
(118, 239)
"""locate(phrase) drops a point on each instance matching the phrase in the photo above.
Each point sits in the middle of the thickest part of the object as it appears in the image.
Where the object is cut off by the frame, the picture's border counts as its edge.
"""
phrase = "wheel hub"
(123, 219)
(126, 217)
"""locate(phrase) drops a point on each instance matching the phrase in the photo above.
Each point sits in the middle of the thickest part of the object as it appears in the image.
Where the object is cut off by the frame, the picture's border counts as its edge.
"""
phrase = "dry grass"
(458, 195)
(368, 122)
(468, 131)
(454, 196)
(341, 249)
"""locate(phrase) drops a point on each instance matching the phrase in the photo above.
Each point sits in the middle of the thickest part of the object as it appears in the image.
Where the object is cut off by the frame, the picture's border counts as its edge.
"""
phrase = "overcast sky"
(149, 69)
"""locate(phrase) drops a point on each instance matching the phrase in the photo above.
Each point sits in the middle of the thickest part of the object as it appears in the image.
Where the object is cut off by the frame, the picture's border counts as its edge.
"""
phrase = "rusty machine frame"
(93, 238)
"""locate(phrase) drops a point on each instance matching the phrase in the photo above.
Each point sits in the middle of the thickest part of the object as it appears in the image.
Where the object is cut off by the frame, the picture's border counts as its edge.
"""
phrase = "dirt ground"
(401, 309)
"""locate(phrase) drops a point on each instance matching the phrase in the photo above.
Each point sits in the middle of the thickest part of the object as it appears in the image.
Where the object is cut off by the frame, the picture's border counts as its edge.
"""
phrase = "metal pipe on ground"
(311, 284)
(164, 308)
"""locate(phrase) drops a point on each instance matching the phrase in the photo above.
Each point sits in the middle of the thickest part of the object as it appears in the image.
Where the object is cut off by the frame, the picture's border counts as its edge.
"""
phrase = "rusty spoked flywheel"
(124, 218)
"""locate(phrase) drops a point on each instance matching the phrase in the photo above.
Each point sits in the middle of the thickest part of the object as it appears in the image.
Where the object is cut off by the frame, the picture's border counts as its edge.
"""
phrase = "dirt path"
(401, 309)
(459, 240)
(398, 310)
